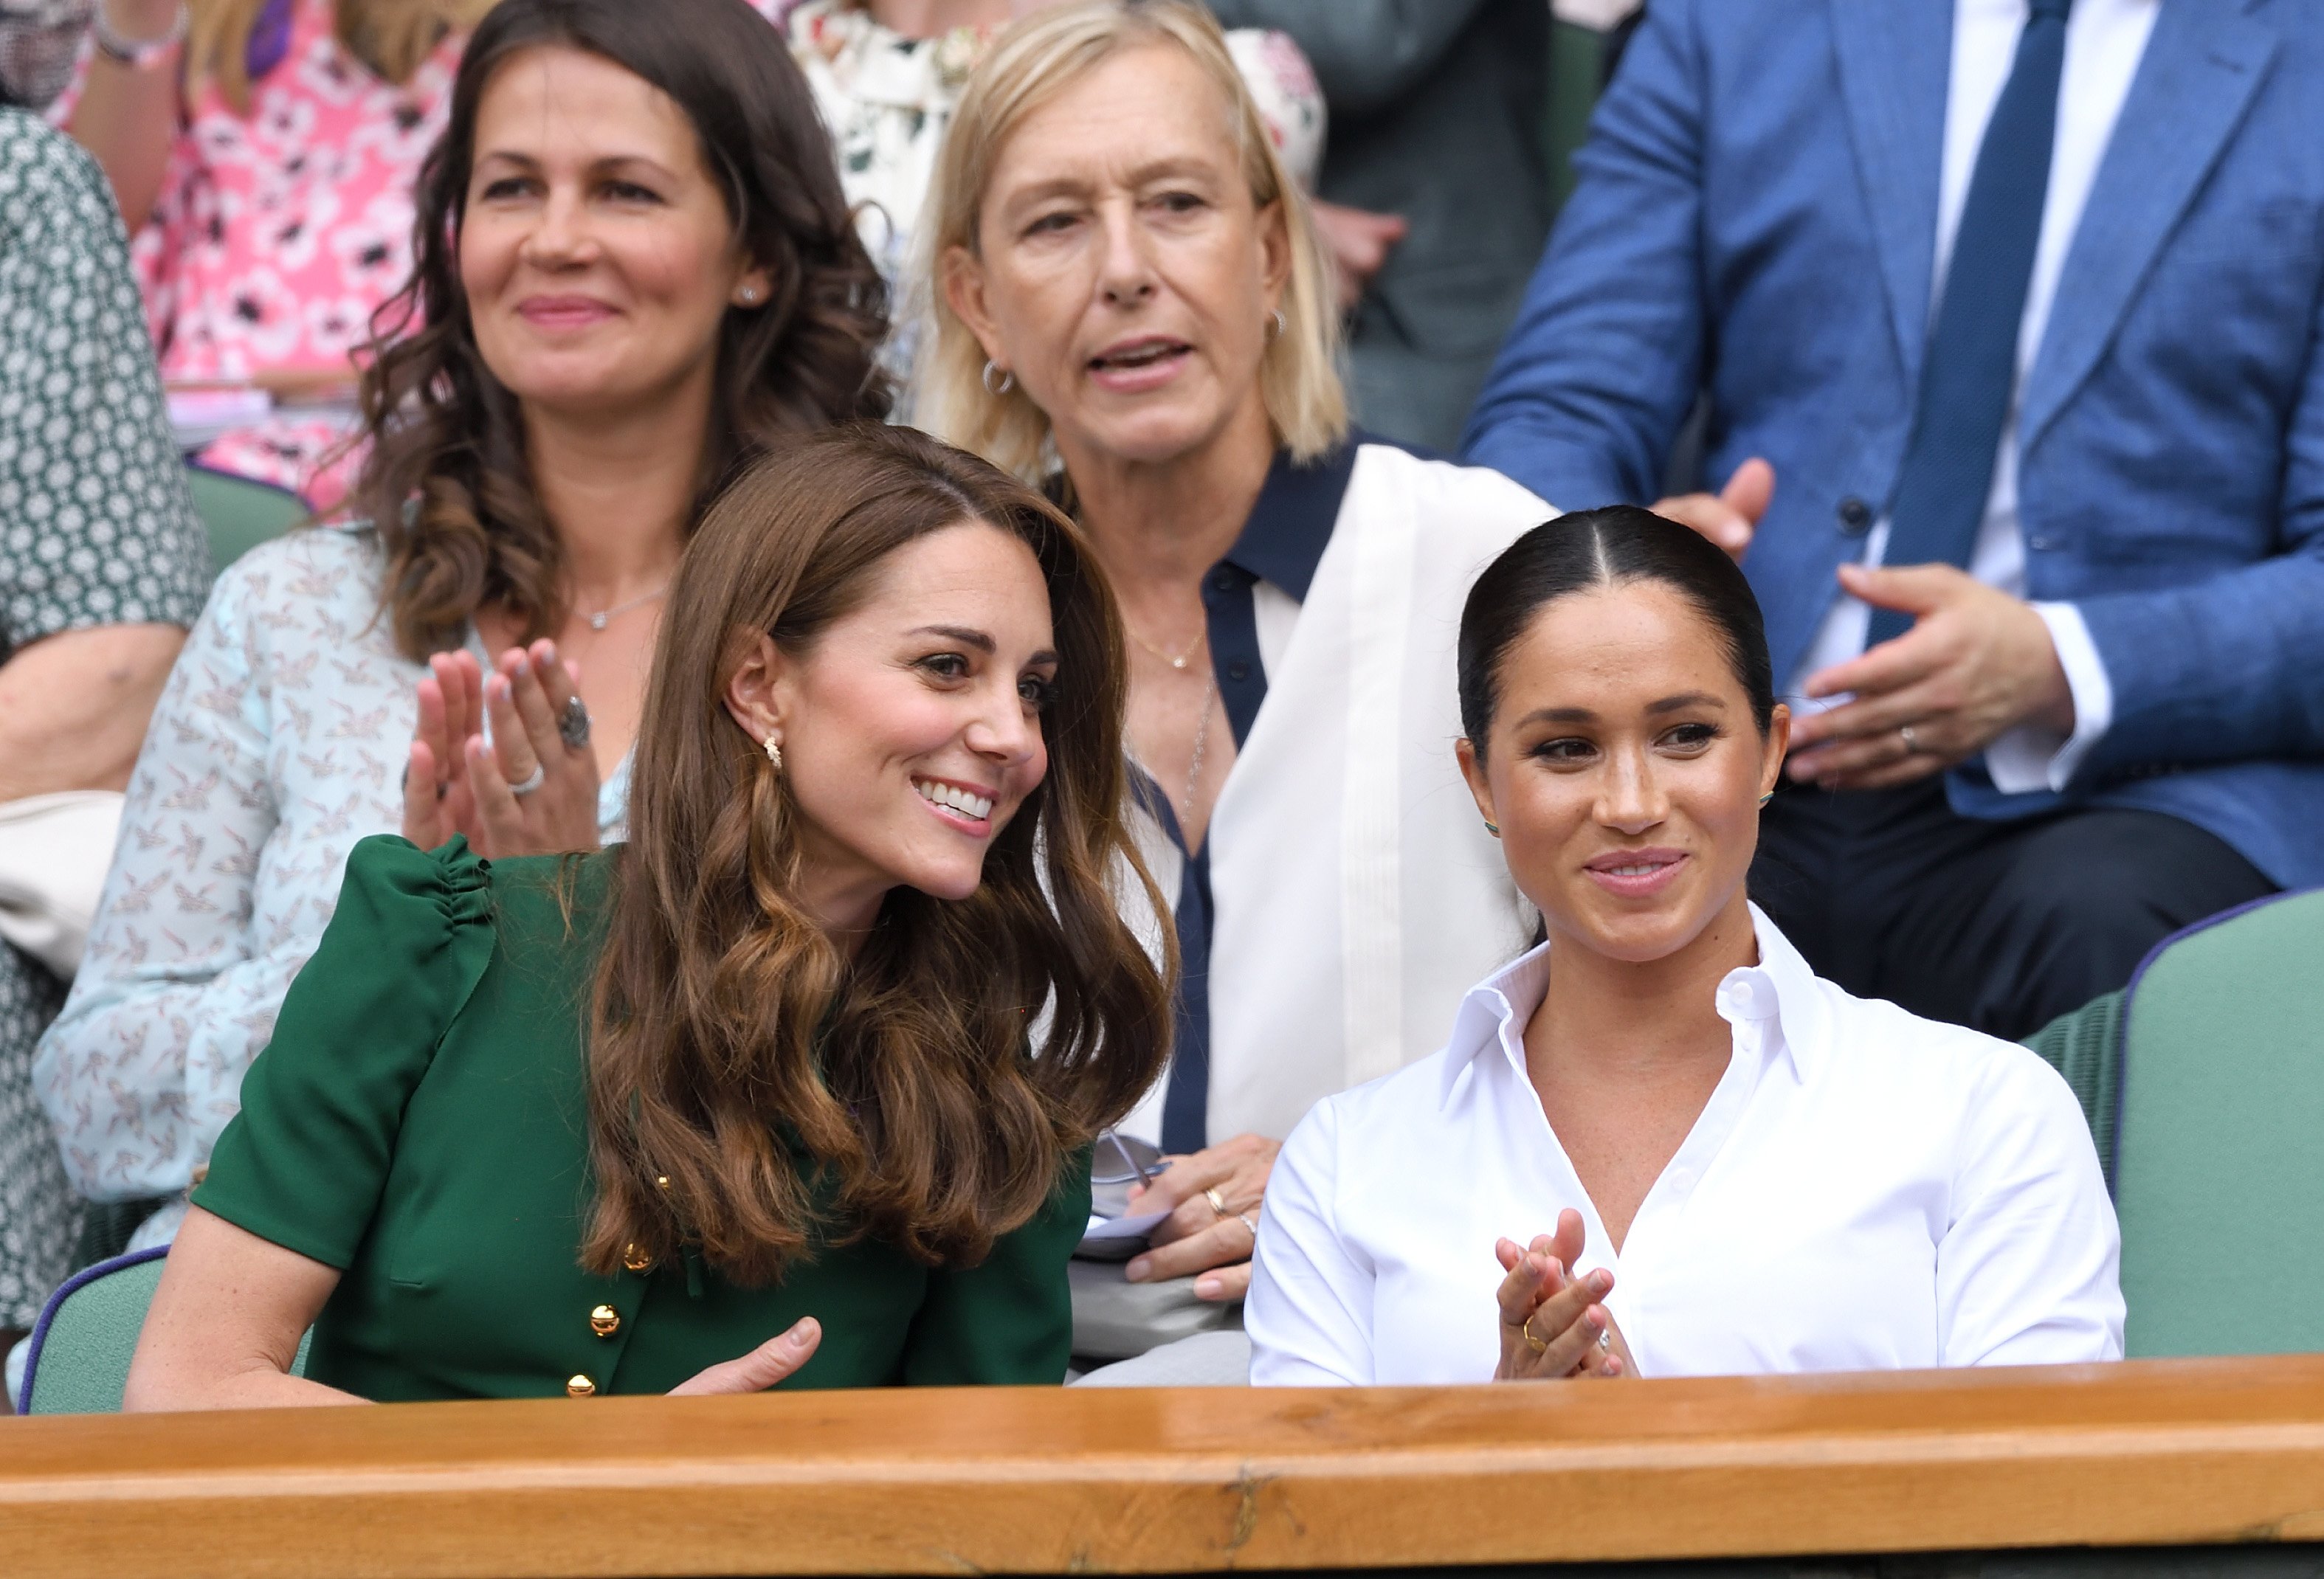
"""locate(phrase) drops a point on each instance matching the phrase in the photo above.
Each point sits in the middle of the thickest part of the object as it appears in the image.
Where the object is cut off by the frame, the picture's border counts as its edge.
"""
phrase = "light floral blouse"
(278, 743)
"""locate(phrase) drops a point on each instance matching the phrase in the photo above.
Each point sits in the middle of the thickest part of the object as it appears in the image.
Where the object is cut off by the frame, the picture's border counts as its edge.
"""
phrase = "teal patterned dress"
(95, 529)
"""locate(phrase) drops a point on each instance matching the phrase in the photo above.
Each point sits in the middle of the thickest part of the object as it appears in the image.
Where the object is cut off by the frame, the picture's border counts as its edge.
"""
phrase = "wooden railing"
(2179, 1453)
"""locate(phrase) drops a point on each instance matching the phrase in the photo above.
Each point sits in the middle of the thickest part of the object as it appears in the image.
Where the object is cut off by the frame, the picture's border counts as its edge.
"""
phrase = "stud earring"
(1280, 323)
(1766, 798)
(1492, 827)
(1008, 379)
(748, 296)
(775, 753)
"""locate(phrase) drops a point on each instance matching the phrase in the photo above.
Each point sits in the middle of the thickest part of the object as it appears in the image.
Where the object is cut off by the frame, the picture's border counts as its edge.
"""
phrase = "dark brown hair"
(1591, 548)
(447, 481)
(789, 1098)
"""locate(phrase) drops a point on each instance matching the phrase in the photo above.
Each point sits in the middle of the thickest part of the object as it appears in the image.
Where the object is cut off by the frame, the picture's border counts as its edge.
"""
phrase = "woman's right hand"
(437, 799)
(1553, 1329)
(762, 1367)
(455, 784)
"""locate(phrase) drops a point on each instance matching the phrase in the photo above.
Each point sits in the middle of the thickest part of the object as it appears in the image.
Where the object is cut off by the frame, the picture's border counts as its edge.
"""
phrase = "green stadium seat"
(78, 1362)
(2211, 1066)
(240, 513)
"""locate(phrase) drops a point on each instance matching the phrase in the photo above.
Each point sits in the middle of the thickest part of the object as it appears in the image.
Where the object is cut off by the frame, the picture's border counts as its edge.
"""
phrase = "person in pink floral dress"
(265, 164)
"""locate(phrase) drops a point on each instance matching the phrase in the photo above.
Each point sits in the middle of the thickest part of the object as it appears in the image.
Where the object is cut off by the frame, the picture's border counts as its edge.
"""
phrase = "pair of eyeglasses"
(1118, 1164)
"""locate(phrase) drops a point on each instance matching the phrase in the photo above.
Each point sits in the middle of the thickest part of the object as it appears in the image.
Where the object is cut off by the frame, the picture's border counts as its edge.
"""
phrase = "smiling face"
(910, 728)
(1123, 274)
(597, 253)
(1625, 769)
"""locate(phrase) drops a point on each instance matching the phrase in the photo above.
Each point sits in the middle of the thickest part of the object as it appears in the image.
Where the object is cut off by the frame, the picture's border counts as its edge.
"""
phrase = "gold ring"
(1537, 1344)
(1218, 1202)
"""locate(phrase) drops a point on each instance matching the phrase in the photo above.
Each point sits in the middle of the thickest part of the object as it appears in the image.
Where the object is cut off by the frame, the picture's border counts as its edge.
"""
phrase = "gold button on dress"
(580, 1387)
(633, 1256)
(605, 1320)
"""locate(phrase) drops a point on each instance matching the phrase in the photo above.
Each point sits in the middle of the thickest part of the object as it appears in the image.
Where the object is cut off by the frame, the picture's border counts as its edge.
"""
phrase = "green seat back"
(2217, 1174)
(240, 514)
(88, 1335)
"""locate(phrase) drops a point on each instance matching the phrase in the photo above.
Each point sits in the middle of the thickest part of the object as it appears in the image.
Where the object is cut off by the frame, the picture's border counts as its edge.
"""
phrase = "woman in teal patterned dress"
(102, 567)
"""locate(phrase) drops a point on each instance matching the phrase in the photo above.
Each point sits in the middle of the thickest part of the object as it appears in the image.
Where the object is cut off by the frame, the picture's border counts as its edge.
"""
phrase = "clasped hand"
(1553, 1326)
(759, 1369)
(455, 783)
(1213, 1238)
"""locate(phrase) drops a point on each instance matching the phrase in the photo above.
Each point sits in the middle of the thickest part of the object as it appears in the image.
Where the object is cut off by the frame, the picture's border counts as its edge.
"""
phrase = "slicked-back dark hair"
(1614, 546)
(446, 440)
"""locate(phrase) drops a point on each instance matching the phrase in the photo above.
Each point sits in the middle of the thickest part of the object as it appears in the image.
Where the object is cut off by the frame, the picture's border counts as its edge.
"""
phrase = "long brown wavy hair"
(752, 1094)
(447, 481)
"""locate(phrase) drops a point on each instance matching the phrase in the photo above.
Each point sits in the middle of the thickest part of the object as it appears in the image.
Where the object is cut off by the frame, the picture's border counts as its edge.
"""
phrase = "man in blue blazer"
(2007, 316)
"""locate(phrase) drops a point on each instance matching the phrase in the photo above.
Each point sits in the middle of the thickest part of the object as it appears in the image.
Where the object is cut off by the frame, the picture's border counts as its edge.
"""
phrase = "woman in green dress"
(797, 1085)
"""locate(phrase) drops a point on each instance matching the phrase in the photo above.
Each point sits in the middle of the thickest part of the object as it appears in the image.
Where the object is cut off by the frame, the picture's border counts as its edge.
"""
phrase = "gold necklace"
(1181, 660)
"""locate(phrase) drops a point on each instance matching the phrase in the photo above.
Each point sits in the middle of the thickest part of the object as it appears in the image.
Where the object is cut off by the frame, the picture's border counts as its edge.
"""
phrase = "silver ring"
(573, 723)
(532, 781)
(1249, 1220)
(1904, 733)
(1606, 1338)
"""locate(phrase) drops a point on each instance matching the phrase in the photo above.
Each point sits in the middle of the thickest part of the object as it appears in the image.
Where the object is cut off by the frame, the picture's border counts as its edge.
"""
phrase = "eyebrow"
(961, 634)
(1582, 715)
(609, 162)
(1073, 185)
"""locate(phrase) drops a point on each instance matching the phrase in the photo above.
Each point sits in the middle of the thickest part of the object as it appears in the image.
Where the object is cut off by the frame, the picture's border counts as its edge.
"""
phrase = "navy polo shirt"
(1282, 542)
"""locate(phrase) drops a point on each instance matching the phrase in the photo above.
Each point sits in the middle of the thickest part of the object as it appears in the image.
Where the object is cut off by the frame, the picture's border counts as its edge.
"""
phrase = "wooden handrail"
(1056, 1481)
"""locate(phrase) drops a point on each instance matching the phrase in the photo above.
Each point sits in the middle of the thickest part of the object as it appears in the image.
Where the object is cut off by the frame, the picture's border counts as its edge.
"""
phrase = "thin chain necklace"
(1176, 661)
(604, 617)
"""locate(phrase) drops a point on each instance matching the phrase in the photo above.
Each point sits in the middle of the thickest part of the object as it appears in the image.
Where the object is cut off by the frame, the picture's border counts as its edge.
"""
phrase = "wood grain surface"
(1066, 1481)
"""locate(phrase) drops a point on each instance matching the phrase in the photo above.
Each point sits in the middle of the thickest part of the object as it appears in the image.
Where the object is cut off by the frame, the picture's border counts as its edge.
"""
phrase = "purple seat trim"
(72, 1285)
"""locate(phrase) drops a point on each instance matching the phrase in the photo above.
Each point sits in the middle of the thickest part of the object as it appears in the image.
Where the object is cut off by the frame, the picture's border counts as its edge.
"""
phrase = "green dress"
(418, 1122)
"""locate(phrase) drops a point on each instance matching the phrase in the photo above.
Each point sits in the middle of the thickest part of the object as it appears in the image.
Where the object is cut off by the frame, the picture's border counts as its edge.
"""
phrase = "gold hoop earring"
(775, 753)
(1492, 827)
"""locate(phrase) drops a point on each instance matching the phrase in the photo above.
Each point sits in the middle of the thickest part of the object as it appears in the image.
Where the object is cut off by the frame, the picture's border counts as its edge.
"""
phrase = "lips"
(1636, 874)
(1142, 364)
(563, 312)
(957, 803)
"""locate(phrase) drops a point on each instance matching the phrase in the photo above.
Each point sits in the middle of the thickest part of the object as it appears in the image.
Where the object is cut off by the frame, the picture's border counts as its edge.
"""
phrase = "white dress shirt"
(2104, 42)
(1864, 1190)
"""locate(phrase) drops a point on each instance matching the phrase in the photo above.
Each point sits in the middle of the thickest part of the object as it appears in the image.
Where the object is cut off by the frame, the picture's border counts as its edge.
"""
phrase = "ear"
(1472, 770)
(757, 696)
(1274, 252)
(963, 275)
(1779, 743)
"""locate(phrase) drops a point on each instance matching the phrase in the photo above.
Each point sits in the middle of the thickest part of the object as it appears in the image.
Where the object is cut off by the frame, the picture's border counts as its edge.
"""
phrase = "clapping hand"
(1554, 1326)
(1730, 516)
(1213, 1198)
(759, 1369)
(533, 790)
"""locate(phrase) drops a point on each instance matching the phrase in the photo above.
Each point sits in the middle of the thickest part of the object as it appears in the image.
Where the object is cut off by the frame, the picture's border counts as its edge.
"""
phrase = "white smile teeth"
(1633, 871)
(952, 797)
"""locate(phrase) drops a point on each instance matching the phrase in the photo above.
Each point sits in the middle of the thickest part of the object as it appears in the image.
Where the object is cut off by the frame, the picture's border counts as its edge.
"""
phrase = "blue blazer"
(1756, 218)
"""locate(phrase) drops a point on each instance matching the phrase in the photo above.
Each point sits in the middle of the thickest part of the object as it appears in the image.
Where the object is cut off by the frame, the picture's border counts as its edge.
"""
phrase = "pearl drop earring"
(775, 753)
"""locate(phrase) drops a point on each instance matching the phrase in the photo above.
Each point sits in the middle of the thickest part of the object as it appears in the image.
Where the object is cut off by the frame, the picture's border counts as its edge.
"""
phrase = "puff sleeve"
(304, 1163)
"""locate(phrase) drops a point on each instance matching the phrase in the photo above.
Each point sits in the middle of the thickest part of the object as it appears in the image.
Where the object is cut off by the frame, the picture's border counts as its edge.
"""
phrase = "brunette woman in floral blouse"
(602, 347)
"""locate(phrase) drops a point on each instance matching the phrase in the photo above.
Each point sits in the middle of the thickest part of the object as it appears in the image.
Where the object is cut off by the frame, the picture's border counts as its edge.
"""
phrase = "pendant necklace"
(603, 616)
(1177, 661)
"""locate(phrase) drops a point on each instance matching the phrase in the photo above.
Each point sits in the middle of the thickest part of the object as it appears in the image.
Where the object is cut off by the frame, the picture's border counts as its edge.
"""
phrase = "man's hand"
(1358, 242)
(1213, 1198)
(1976, 664)
(1730, 516)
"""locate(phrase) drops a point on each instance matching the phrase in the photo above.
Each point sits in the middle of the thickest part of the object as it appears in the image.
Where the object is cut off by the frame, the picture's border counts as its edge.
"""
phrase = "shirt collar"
(1781, 994)
(1291, 520)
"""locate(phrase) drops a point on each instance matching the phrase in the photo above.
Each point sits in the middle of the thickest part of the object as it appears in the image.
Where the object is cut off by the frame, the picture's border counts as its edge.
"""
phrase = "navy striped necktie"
(1970, 369)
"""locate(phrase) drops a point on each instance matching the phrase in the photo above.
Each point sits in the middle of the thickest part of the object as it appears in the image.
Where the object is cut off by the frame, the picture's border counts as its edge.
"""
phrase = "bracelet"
(137, 53)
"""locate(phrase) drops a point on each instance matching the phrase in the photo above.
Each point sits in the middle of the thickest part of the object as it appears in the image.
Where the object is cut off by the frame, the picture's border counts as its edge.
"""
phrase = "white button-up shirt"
(1865, 1190)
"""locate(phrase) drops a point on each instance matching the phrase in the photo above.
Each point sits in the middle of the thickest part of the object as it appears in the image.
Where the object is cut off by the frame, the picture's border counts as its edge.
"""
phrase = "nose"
(560, 236)
(1125, 273)
(1003, 731)
(1631, 797)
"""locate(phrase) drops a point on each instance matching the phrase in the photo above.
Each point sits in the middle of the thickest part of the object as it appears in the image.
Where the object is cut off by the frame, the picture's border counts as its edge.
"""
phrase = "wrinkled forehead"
(1146, 110)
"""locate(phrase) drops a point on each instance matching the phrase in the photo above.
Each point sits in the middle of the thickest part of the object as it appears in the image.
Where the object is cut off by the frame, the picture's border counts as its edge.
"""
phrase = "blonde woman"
(264, 153)
(1134, 309)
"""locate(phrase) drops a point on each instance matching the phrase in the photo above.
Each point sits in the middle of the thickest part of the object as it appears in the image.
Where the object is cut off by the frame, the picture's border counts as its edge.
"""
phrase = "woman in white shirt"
(1133, 308)
(1658, 1144)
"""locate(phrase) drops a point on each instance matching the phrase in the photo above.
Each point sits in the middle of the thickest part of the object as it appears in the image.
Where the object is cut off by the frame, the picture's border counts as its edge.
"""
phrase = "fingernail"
(1137, 1270)
(1208, 1288)
(1601, 1281)
(545, 659)
(802, 1335)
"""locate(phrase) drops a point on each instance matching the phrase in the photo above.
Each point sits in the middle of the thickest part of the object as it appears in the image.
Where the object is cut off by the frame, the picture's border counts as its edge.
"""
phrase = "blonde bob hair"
(1028, 66)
